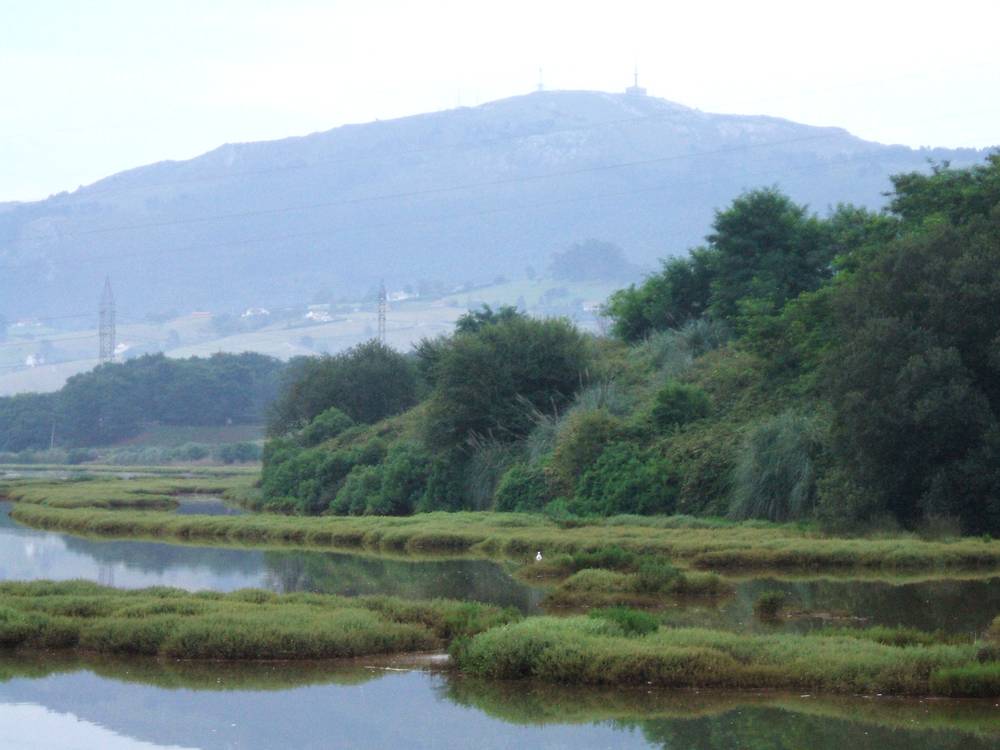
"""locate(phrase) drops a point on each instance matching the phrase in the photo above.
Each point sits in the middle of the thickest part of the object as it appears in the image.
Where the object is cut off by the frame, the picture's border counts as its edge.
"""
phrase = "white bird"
(538, 556)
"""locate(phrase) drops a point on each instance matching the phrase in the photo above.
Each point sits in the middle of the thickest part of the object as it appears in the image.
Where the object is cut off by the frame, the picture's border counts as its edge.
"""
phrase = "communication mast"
(106, 325)
(382, 305)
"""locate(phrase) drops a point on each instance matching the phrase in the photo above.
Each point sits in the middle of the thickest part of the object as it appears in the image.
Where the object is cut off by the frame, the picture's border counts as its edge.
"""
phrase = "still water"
(959, 606)
(28, 554)
(148, 705)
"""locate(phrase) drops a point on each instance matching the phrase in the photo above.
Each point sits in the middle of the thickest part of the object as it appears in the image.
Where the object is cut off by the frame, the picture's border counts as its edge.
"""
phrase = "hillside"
(457, 196)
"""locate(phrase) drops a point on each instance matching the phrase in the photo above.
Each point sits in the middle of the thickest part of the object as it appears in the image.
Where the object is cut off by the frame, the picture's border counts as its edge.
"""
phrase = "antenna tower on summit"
(106, 324)
(635, 89)
(382, 305)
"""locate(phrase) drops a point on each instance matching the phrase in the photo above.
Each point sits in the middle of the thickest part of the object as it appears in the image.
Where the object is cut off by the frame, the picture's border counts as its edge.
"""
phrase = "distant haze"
(90, 89)
(459, 196)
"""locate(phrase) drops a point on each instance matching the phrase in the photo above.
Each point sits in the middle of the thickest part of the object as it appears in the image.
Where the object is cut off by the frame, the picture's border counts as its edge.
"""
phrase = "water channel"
(115, 704)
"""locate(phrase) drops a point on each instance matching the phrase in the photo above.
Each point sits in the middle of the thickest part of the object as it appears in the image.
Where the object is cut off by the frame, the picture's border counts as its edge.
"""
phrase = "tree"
(367, 382)
(589, 260)
(915, 379)
(488, 382)
(671, 298)
(765, 247)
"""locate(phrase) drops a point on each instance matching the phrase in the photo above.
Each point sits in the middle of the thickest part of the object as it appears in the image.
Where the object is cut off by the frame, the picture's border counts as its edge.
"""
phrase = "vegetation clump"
(244, 625)
(597, 651)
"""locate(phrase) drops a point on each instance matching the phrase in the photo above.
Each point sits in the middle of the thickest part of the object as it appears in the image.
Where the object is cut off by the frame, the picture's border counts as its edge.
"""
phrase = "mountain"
(457, 196)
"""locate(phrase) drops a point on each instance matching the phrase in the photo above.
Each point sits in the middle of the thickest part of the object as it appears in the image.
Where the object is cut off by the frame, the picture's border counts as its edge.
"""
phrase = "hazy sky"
(93, 87)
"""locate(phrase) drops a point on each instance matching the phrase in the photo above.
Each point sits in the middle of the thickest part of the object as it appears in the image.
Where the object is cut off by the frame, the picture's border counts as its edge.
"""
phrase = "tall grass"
(250, 624)
(774, 477)
(598, 651)
(730, 546)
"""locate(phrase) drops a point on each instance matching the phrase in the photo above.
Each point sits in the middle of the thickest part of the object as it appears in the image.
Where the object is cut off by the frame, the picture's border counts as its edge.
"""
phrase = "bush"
(368, 382)
(678, 404)
(774, 478)
(626, 480)
(362, 487)
(404, 478)
(631, 621)
(445, 488)
(522, 488)
(231, 453)
(492, 381)
(581, 439)
(656, 576)
(324, 426)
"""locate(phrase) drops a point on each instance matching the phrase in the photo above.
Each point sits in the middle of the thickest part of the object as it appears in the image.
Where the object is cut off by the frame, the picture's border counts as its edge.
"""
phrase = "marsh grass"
(711, 544)
(243, 625)
(596, 651)
(146, 493)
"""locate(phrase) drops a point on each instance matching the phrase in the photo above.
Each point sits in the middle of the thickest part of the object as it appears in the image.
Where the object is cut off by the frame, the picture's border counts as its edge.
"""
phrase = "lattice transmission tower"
(106, 324)
(383, 303)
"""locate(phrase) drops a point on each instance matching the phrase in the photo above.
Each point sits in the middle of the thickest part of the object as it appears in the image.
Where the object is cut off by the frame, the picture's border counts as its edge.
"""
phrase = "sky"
(90, 88)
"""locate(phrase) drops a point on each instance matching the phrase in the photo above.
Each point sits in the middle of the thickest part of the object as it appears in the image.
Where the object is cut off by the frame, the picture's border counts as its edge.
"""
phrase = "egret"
(538, 556)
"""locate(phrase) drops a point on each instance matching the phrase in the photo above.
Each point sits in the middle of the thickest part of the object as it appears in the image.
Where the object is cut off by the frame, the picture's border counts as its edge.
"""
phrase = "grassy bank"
(145, 493)
(244, 625)
(596, 651)
(723, 547)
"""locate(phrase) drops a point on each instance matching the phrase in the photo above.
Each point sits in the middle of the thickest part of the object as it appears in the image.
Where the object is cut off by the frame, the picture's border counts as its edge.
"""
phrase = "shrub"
(677, 404)
(231, 453)
(631, 621)
(324, 426)
(976, 681)
(522, 488)
(490, 381)
(656, 576)
(445, 488)
(581, 439)
(361, 489)
(404, 478)
(626, 480)
(775, 478)
(768, 605)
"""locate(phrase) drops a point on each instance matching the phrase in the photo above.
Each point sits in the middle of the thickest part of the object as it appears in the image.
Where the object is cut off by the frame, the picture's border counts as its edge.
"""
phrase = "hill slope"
(454, 196)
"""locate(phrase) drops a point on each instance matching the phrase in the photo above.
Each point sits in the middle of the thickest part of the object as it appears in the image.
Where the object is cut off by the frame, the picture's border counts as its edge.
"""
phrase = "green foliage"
(775, 475)
(594, 651)
(404, 479)
(631, 621)
(474, 321)
(367, 382)
(677, 404)
(326, 425)
(361, 489)
(655, 576)
(625, 479)
(581, 439)
(522, 488)
(669, 299)
(487, 382)
(914, 379)
(243, 625)
(114, 401)
(445, 488)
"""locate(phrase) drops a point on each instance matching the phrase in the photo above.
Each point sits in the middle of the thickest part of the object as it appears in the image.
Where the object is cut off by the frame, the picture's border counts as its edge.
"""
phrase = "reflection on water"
(960, 606)
(111, 707)
(956, 606)
(205, 505)
(29, 554)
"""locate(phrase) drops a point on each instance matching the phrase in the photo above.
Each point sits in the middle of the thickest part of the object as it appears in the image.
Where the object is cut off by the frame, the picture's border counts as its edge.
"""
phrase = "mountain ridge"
(459, 195)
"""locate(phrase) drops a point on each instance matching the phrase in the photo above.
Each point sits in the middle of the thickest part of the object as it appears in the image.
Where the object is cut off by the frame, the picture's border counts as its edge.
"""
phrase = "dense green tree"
(489, 382)
(367, 382)
(679, 293)
(679, 403)
(915, 379)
